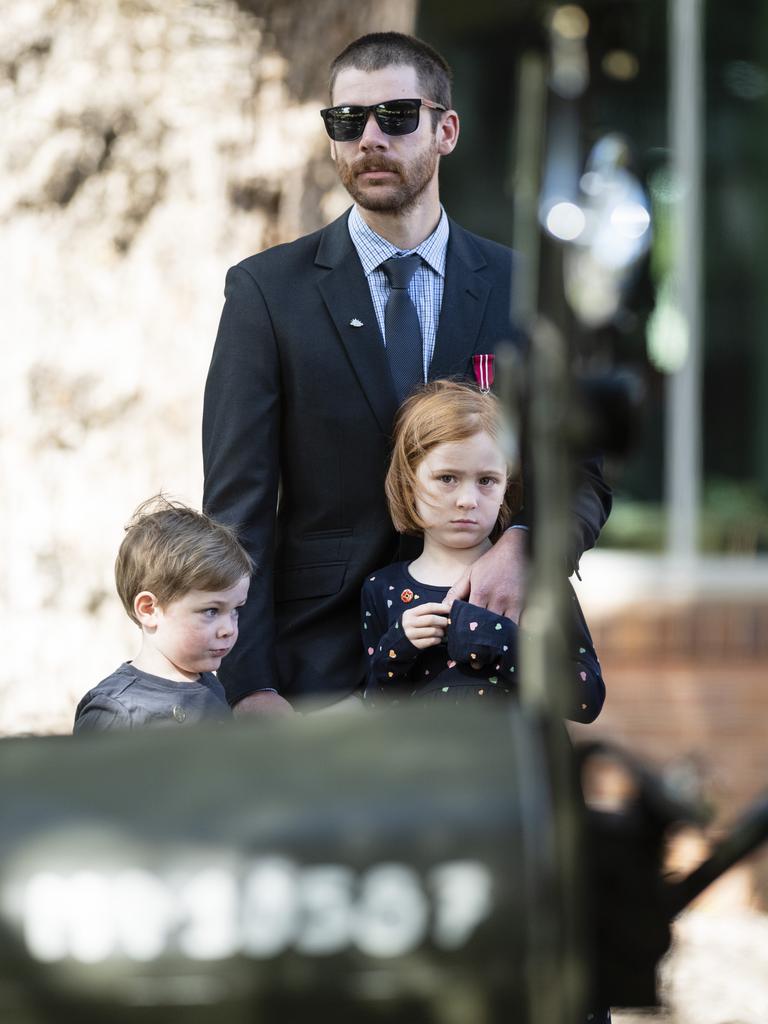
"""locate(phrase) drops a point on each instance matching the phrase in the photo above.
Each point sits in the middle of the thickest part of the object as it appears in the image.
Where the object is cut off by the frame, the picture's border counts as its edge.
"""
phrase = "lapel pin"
(354, 322)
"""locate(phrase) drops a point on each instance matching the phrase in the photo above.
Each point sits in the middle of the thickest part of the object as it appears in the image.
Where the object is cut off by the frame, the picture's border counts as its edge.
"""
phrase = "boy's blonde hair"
(170, 549)
(445, 411)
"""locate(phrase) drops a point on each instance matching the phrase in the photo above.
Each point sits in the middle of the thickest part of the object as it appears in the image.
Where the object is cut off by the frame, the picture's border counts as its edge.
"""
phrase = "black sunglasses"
(394, 117)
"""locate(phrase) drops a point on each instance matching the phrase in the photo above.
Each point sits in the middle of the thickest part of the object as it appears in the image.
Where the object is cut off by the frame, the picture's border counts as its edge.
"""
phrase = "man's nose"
(373, 137)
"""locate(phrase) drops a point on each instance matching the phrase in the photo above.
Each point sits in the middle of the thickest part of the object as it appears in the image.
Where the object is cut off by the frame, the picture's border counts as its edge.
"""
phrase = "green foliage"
(734, 520)
(634, 526)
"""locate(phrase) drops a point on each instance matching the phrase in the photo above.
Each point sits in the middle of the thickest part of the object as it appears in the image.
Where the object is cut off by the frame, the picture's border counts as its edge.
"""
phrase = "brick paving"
(687, 682)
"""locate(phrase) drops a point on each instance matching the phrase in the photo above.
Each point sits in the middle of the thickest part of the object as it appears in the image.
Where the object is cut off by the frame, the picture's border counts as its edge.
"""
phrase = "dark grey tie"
(401, 326)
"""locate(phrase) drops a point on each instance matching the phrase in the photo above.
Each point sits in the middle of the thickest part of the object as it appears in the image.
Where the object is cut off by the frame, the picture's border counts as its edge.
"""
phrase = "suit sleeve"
(591, 503)
(390, 654)
(591, 498)
(241, 444)
(590, 508)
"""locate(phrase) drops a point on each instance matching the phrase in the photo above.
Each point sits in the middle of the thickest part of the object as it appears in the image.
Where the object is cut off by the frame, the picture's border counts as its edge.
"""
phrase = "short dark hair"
(170, 549)
(379, 50)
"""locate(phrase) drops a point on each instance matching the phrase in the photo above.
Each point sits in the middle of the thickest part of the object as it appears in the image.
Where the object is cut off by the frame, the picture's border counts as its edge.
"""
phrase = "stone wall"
(686, 693)
(147, 146)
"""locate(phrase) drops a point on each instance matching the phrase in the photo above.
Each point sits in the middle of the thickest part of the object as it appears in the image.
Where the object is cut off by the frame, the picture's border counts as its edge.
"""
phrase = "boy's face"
(191, 634)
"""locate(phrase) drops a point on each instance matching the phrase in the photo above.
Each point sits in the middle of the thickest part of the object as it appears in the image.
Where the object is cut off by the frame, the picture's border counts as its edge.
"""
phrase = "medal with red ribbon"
(483, 367)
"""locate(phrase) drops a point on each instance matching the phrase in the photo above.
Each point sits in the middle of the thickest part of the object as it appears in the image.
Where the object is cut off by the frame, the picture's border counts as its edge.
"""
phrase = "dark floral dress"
(476, 660)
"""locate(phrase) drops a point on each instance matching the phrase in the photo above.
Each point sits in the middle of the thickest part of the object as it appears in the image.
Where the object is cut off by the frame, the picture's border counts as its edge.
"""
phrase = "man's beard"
(394, 197)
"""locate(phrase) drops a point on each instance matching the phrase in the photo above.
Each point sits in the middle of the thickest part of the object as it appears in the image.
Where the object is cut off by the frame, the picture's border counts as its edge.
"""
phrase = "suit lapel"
(347, 297)
(464, 300)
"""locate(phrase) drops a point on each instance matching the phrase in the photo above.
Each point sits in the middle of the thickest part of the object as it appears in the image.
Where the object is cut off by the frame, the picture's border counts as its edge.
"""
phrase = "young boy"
(182, 578)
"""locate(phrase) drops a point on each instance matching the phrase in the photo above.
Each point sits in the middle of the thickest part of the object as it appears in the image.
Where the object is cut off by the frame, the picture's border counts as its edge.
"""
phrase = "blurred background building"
(678, 591)
(149, 144)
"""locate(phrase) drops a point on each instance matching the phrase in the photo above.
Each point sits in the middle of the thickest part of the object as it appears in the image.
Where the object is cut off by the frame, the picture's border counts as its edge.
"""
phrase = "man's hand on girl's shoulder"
(497, 580)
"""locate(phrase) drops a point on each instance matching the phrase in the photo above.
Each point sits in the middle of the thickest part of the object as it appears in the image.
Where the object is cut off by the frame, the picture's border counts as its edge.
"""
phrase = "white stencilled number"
(273, 906)
(462, 900)
(392, 913)
(208, 905)
(270, 907)
(325, 897)
(48, 911)
(91, 916)
(144, 913)
(93, 930)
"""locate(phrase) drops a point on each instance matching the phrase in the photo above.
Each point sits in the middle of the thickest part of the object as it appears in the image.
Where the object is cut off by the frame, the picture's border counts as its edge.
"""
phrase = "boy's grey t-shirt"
(130, 699)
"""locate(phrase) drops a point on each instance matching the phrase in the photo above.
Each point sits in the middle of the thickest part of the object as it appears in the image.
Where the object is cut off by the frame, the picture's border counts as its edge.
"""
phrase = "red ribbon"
(483, 367)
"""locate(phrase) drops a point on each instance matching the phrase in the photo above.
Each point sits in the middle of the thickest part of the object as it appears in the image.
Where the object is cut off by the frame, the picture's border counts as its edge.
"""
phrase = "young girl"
(449, 481)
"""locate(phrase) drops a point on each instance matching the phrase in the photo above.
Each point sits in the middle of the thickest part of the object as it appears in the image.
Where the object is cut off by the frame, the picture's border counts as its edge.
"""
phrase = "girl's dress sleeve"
(481, 638)
(484, 640)
(390, 654)
(589, 687)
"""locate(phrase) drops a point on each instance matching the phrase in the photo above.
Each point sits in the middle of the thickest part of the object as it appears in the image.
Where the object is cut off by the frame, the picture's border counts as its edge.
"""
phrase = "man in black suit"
(300, 400)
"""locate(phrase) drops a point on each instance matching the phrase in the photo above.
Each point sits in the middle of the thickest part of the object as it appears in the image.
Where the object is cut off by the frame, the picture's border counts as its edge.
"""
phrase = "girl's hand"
(426, 624)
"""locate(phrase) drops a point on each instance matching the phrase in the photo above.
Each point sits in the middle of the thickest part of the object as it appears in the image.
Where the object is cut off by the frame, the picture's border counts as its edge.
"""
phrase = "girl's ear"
(145, 607)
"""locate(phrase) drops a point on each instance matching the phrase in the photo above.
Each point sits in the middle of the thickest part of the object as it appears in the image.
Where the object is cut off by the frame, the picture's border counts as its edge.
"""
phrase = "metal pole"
(683, 421)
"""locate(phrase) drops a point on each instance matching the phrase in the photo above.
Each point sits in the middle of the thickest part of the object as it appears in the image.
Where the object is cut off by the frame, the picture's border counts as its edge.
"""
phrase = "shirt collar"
(373, 249)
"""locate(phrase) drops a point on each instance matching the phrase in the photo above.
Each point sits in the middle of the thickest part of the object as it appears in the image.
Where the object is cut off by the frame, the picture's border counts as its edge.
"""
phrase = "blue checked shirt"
(426, 287)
